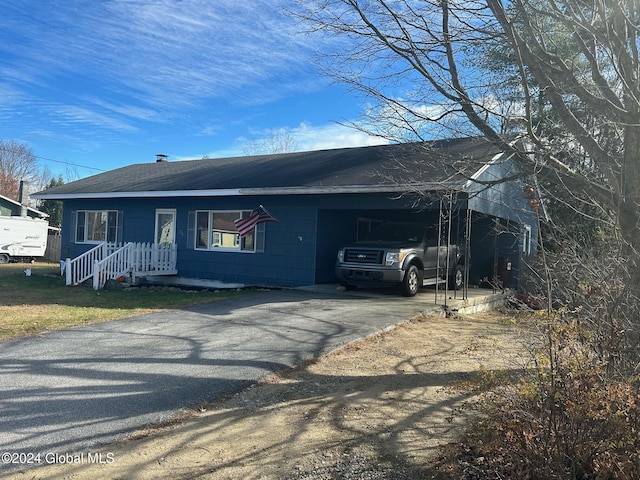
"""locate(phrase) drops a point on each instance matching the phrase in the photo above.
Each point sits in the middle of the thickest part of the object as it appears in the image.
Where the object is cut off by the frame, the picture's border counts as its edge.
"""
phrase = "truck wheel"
(4, 258)
(456, 278)
(411, 282)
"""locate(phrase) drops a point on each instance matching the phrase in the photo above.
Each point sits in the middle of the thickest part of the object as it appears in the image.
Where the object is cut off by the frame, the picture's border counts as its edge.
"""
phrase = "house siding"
(503, 199)
(300, 249)
(285, 261)
(494, 241)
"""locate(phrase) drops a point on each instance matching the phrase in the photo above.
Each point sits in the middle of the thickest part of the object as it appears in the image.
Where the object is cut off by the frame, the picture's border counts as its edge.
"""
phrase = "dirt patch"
(376, 409)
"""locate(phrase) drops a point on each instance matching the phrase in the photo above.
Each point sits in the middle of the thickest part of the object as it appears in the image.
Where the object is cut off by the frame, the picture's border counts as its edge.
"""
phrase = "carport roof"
(443, 164)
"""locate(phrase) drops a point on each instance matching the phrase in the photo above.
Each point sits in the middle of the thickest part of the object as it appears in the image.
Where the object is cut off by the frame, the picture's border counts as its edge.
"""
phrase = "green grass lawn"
(30, 305)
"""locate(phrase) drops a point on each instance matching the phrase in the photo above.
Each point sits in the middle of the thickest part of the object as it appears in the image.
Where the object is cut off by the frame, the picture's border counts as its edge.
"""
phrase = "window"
(96, 226)
(526, 240)
(365, 225)
(215, 230)
(165, 226)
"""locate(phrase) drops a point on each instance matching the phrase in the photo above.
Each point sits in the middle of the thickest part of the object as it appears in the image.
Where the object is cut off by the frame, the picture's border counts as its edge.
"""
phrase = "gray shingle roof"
(446, 162)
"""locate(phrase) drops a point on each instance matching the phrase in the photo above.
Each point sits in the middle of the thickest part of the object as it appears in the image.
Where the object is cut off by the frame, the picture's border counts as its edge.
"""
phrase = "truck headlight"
(393, 257)
(341, 256)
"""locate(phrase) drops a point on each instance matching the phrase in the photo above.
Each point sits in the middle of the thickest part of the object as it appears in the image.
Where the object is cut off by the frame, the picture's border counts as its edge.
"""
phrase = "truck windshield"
(396, 232)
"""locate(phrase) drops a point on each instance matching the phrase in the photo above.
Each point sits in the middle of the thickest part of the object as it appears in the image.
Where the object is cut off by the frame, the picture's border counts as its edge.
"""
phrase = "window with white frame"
(215, 230)
(96, 226)
(526, 239)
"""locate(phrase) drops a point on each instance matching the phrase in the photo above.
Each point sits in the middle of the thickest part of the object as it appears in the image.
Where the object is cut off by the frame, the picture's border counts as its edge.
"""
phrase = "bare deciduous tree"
(576, 63)
(275, 141)
(17, 162)
(568, 80)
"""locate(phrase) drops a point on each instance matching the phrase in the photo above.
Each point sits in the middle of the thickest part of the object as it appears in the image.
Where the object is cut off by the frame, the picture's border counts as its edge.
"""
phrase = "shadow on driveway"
(71, 390)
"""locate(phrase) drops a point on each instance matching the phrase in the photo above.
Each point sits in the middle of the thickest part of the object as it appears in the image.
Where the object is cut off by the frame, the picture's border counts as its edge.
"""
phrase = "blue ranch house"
(322, 200)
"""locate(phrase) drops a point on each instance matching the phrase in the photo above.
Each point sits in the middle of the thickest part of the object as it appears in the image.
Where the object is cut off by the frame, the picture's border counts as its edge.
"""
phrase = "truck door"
(435, 257)
(432, 252)
(430, 257)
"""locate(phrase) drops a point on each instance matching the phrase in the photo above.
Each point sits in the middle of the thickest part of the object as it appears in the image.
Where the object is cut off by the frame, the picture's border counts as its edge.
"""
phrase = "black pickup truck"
(404, 254)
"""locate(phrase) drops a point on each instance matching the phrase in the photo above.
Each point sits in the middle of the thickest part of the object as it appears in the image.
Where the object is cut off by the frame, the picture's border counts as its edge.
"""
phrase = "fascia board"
(255, 191)
(482, 170)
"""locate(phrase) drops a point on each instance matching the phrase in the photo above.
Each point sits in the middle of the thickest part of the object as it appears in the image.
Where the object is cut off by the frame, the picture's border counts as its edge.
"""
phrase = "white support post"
(96, 275)
(67, 271)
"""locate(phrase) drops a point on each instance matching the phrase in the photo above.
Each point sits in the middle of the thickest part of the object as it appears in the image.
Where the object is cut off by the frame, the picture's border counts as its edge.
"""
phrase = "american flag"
(259, 215)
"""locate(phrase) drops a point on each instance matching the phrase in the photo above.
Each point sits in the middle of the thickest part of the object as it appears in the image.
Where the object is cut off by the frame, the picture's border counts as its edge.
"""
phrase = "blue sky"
(104, 84)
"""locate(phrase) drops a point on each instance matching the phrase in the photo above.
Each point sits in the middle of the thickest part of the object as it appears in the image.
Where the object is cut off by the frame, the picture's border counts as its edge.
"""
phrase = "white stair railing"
(79, 269)
(117, 264)
(111, 261)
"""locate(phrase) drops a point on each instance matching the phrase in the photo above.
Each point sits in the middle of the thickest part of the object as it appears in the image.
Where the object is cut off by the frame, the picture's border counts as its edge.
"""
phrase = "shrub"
(564, 418)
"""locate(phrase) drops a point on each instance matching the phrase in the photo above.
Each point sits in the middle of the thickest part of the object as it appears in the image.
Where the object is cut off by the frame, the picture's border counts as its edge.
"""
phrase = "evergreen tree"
(53, 207)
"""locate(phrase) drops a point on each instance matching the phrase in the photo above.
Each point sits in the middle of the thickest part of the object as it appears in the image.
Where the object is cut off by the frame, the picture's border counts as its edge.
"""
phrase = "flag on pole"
(259, 215)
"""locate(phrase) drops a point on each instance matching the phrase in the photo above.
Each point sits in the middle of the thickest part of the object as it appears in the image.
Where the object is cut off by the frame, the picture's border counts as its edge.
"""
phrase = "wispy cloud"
(332, 135)
(156, 54)
(75, 114)
(10, 96)
(306, 137)
(110, 81)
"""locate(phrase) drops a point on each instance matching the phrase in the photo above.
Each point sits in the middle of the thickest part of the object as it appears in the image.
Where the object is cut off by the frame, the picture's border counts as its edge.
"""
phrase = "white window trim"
(237, 240)
(160, 211)
(85, 226)
(526, 239)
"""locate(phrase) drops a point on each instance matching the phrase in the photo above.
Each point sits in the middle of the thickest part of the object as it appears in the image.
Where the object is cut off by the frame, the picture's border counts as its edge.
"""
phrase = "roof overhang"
(483, 169)
(30, 209)
(240, 192)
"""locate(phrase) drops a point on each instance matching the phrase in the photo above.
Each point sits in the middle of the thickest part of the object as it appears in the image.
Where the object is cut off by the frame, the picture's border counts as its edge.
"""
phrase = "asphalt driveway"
(70, 391)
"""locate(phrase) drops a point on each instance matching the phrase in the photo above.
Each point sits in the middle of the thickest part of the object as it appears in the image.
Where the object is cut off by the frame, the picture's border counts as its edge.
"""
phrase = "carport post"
(438, 257)
(450, 221)
(467, 254)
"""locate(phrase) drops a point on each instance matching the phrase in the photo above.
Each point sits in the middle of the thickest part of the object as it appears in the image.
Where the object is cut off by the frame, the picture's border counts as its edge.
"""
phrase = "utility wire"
(69, 163)
(7, 149)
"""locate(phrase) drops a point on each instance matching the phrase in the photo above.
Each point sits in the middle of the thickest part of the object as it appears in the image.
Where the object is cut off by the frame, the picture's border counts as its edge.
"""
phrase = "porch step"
(478, 304)
(192, 282)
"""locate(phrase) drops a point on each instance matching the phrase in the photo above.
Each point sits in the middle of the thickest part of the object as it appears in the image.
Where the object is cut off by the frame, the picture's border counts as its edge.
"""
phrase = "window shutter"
(74, 233)
(191, 230)
(119, 227)
(260, 237)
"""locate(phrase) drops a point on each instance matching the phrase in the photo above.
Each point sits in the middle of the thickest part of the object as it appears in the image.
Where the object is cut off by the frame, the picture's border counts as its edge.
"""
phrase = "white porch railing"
(153, 259)
(111, 261)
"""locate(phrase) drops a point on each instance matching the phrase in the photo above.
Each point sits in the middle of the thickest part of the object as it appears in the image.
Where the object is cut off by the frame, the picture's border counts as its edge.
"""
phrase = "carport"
(492, 241)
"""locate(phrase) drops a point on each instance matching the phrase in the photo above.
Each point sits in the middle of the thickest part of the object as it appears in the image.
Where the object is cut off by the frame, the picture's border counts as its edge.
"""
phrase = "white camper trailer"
(22, 238)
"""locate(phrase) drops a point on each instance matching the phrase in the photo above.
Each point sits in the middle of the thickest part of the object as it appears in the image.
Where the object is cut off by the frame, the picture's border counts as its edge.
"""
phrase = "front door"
(165, 226)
